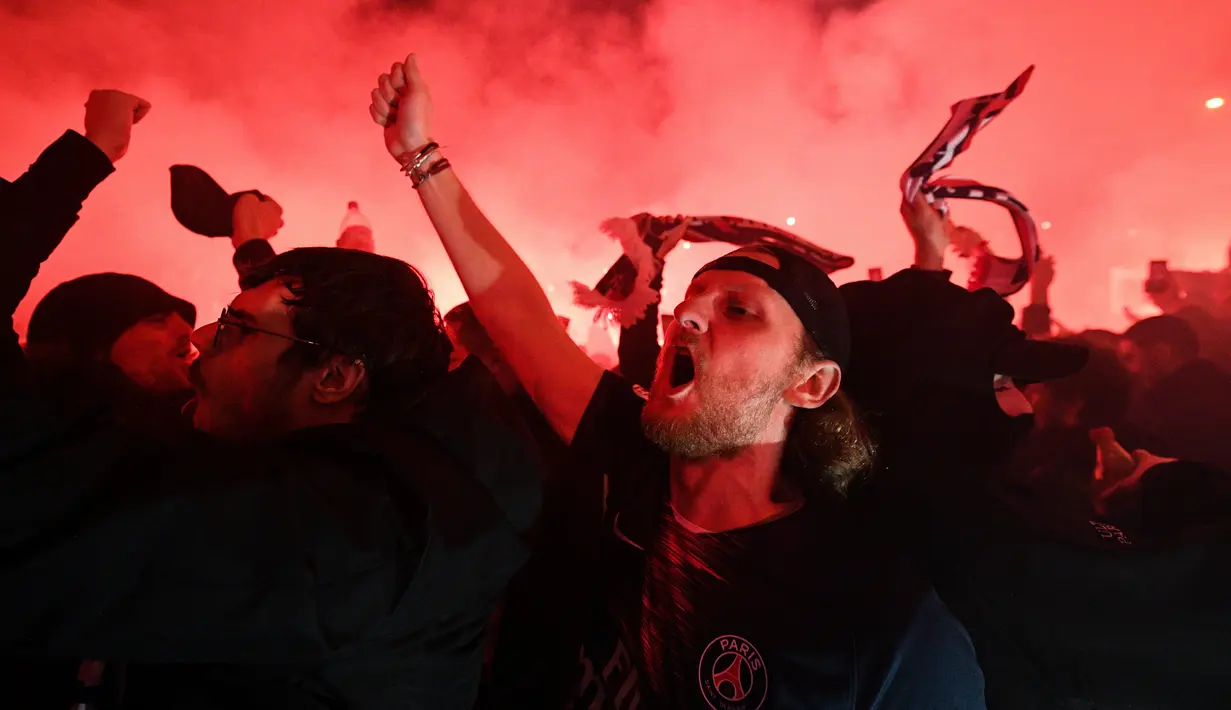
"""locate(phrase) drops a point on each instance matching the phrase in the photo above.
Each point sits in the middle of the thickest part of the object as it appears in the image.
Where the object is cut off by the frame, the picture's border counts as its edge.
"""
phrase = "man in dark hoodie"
(112, 340)
(332, 536)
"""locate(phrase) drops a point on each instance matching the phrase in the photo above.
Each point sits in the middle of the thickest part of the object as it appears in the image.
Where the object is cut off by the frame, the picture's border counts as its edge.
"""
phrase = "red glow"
(559, 120)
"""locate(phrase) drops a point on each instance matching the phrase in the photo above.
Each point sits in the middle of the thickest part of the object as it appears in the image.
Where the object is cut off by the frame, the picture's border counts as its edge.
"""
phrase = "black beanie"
(88, 314)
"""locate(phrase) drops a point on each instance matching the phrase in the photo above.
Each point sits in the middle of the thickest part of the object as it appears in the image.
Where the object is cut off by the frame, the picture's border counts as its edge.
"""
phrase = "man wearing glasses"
(334, 534)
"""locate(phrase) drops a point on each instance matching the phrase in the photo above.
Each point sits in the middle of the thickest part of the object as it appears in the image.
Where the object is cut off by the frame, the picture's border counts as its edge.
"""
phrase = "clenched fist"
(255, 217)
(400, 103)
(109, 119)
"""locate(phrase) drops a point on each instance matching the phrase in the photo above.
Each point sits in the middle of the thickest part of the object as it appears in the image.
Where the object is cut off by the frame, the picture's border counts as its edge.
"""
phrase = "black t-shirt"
(799, 612)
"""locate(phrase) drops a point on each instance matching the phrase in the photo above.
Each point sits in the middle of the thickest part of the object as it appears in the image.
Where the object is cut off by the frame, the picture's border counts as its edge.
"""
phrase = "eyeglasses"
(228, 325)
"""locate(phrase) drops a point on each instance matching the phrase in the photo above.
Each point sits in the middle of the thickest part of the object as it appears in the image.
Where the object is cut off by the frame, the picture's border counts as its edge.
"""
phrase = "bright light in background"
(687, 245)
(1046, 225)
(790, 221)
(1214, 103)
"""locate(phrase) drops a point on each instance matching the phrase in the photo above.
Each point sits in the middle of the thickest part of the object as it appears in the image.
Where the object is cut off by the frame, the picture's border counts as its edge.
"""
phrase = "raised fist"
(109, 119)
(928, 230)
(925, 224)
(1044, 272)
(401, 104)
(255, 217)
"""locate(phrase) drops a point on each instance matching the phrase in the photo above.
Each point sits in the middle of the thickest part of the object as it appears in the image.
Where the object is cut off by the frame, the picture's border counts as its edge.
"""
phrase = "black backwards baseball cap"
(809, 291)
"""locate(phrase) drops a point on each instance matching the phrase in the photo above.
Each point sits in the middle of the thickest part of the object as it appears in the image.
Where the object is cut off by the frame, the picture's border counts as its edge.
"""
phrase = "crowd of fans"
(884, 495)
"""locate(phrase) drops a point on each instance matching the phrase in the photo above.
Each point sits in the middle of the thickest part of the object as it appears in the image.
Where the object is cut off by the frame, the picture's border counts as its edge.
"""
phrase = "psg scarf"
(968, 117)
(625, 289)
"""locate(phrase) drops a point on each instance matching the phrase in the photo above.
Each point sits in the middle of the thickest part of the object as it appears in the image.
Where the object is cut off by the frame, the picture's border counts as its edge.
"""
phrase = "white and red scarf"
(625, 289)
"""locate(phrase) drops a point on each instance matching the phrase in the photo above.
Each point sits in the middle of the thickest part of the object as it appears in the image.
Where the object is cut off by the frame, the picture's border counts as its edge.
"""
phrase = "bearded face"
(730, 355)
(722, 417)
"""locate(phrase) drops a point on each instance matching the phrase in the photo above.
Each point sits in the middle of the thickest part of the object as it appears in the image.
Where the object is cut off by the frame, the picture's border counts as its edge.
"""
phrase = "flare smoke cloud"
(559, 114)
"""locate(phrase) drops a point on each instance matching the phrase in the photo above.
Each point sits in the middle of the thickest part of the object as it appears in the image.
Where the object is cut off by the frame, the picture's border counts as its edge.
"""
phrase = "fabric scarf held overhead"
(625, 291)
(968, 117)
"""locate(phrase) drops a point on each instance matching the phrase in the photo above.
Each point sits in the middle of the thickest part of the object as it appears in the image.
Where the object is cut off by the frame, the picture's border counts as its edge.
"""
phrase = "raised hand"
(928, 230)
(1114, 463)
(109, 118)
(1044, 271)
(402, 105)
(255, 217)
(1042, 278)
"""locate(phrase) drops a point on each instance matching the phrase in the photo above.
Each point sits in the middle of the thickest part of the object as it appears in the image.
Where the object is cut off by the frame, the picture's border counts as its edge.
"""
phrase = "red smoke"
(557, 118)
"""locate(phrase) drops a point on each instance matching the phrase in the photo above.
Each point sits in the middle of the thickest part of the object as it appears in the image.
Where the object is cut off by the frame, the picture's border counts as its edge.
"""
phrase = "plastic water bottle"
(356, 230)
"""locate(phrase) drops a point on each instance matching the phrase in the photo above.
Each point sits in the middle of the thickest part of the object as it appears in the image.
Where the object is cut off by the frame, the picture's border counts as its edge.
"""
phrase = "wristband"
(420, 175)
(417, 157)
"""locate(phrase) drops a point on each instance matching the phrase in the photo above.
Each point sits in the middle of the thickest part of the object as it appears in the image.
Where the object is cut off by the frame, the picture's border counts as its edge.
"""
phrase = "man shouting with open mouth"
(731, 574)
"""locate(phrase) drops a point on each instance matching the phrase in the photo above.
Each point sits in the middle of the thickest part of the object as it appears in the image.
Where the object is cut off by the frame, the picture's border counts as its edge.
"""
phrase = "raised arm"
(505, 296)
(1036, 317)
(255, 220)
(928, 231)
(38, 209)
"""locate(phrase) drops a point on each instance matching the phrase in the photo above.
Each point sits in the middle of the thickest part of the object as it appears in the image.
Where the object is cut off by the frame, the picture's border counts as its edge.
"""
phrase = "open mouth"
(683, 370)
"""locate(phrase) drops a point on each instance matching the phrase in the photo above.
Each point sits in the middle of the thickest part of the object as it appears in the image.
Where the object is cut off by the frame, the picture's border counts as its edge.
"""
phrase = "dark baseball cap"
(810, 292)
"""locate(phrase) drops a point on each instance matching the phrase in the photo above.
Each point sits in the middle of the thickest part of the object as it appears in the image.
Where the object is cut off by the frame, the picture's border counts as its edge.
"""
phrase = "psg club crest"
(732, 675)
